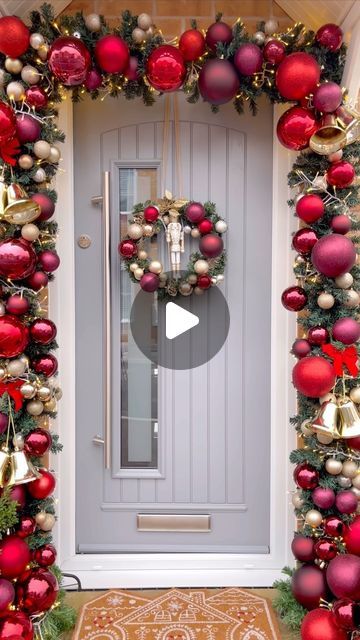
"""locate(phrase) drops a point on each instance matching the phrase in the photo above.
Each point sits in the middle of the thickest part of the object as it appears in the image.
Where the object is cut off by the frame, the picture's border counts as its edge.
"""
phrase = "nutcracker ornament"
(175, 241)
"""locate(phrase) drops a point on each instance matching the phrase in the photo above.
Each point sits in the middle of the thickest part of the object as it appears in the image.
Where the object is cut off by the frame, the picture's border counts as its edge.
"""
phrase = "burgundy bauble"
(303, 548)
(18, 495)
(318, 335)
(330, 36)
(4, 420)
(334, 526)
(43, 331)
(295, 128)
(313, 376)
(151, 213)
(14, 556)
(352, 537)
(211, 245)
(47, 365)
(204, 281)
(7, 122)
(14, 337)
(346, 330)
(45, 556)
(320, 624)
(93, 80)
(38, 280)
(48, 260)
(17, 258)
(17, 305)
(149, 282)
(127, 248)
(16, 626)
(165, 68)
(69, 60)
(323, 498)
(38, 593)
(305, 476)
(340, 174)
(37, 442)
(112, 54)
(195, 212)
(42, 487)
(27, 128)
(205, 226)
(354, 443)
(308, 586)
(132, 72)
(304, 240)
(218, 32)
(297, 75)
(301, 348)
(26, 527)
(341, 224)
(327, 97)
(36, 97)
(47, 206)
(192, 45)
(218, 81)
(294, 298)
(274, 52)
(326, 549)
(7, 594)
(248, 59)
(346, 614)
(333, 255)
(343, 576)
(14, 36)
(310, 208)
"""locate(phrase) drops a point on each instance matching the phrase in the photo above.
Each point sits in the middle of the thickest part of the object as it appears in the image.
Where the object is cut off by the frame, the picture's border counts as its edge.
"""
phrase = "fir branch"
(289, 610)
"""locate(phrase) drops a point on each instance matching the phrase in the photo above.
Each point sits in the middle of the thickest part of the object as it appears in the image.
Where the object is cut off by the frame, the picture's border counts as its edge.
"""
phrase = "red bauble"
(165, 68)
(47, 206)
(295, 128)
(343, 576)
(26, 527)
(346, 330)
(43, 487)
(18, 495)
(318, 336)
(127, 249)
(305, 476)
(333, 255)
(334, 526)
(205, 226)
(14, 36)
(341, 224)
(38, 593)
(112, 54)
(346, 502)
(17, 305)
(7, 594)
(218, 81)
(48, 260)
(93, 80)
(17, 258)
(340, 174)
(132, 70)
(304, 240)
(352, 537)
(274, 52)
(43, 331)
(248, 59)
(14, 337)
(294, 298)
(301, 348)
(204, 281)
(192, 45)
(16, 626)
(14, 556)
(69, 60)
(313, 376)
(303, 548)
(45, 556)
(211, 245)
(37, 442)
(320, 624)
(47, 365)
(310, 208)
(323, 498)
(354, 443)
(7, 121)
(330, 36)
(325, 549)
(151, 213)
(297, 76)
(308, 585)
(327, 97)
(149, 282)
(3, 422)
(347, 614)
(27, 128)
(195, 212)
(218, 32)
(36, 97)
(37, 280)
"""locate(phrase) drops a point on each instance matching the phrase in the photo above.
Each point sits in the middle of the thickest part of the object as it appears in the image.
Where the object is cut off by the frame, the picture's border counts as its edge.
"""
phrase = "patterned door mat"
(177, 614)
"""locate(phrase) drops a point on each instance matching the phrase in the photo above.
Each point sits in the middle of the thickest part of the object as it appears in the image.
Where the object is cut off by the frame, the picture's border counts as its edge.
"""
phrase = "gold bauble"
(345, 281)
(50, 405)
(27, 390)
(306, 428)
(355, 395)
(54, 155)
(185, 289)
(138, 35)
(313, 518)
(58, 393)
(192, 278)
(325, 300)
(42, 149)
(93, 22)
(45, 521)
(138, 273)
(43, 51)
(133, 266)
(15, 368)
(148, 230)
(198, 291)
(13, 65)
(142, 255)
(2, 309)
(15, 91)
(144, 21)
(155, 266)
(30, 232)
(30, 75)
(44, 393)
(356, 481)
(356, 492)
(201, 266)
(35, 407)
(166, 219)
(333, 466)
(323, 438)
(350, 469)
(297, 500)
(25, 162)
(149, 33)
(195, 233)
(135, 231)
(352, 299)
(2, 373)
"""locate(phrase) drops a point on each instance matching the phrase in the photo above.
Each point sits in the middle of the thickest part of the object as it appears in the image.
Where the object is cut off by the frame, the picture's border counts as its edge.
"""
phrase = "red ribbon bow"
(13, 389)
(347, 357)
(9, 150)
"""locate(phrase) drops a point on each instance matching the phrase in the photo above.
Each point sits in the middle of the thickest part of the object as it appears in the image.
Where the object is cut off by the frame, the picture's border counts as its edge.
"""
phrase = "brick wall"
(173, 16)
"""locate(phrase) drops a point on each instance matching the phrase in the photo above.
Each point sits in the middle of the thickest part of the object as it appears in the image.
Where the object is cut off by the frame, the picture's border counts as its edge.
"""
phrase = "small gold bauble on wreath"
(178, 218)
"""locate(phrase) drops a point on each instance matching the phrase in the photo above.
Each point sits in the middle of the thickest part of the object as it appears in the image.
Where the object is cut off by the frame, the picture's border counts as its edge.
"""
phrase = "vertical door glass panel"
(139, 382)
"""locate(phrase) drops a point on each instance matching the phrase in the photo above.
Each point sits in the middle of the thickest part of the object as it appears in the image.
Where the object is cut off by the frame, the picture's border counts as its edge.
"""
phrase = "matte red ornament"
(301, 348)
(14, 556)
(36, 97)
(333, 255)
(7, 122)
(127, 248)
(326, 549)
(204, 281)
(352, 537)
(218, 81)
(192, 45)
(308, 586)
(47, 365)
(17, 258)
(303, 548)
(7, 594)
(297, 76)
(346, 330)
(151, 213)
(248, 59)
(334, 526)
(38, 593)
(294, 298)
(26, 527)
(305, 476)
(310, 208)
(45, 556)
(320, 624)
(165, 68)
(37, 442)
(14, 337)
(93, 80)
(347, 614)
(112, 54)
(343, 576)
(218, 32)
(327, 97)
(346, 502)
(354, 443)
(318, 336)
(69, 60)
(211, 245)
(330, 36)
(340, 174)
(27, 128)
(149, 282)
(38, 280)
(341, 224)
(18, 495)
(47, 206)
(205, 226)
(323, 498)
(43, 331)
(3, 422)
(16, 626)
(132, 70)
(195, 212)
(295, 128)
(43, 487)
(48, 260)
(274, 52)
(313, 376)
(14, 36)
(304, 240)
(17, 305)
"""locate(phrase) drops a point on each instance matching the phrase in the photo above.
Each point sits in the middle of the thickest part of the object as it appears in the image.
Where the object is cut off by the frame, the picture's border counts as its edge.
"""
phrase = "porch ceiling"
(22, 8)
(314, 13)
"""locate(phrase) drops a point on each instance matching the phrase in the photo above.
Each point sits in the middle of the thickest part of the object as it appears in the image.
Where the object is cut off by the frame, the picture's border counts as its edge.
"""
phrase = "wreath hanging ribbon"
(342, 358)
(13, 390)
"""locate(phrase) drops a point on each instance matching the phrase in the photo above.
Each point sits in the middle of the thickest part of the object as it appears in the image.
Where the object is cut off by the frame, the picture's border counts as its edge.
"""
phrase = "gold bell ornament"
(21, 469)
(349, 419)
(349, 118)
(329, 137)
(3, 198)
(4, 463)
(327, 420)
(20, 209)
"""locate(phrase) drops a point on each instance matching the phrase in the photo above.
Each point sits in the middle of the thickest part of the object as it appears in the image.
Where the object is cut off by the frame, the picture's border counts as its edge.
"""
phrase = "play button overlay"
(182, 333)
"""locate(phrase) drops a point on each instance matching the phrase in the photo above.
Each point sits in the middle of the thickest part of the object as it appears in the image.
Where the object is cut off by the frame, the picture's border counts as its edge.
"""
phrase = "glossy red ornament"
(323, 497)
(69, 60)
(294, 298)
(301, 348)
(303, 548)
(310, 208)
(93, 80)
(47, 365)
(305, 476)
(149, 282)
(318, 336)
(346, 330)
(352, 537)
(43, 331)
(248, 59)
(340, 174)
(47, 206)
(354, 443)
(195, 212)
(341, 224)
(320, 624)
(304, 240)
(346, 614)
(327, 97)
(14, 36)
(48, 260)
(297, 76)
(295, 128)
(38, 280)
(313, 376)
(330, 36)
(205, 226)
(326, 549)
(204, 281)
(45, 556)
(333, 255)
(14, 337)
(308, 586)
(346, 502)
(26, 527)
(17, 305)
(127, 248)
(17, 258)
(151, 213)
(132, 70)
(112, 54)
(7, 594)
(218, 32)
(274, 52)
(43, 487)
(192, 45)
(218, 81)
(14, 556)
(343, 576)
(334, 526)
(37, 442)
(211, 245)
(16, 626)
(27, 128)
(165, 68)
(7, 122)
(38, 593)
(36, 97)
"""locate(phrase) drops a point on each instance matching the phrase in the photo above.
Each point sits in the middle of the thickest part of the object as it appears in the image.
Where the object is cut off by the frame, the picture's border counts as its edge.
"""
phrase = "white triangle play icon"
(178, 320)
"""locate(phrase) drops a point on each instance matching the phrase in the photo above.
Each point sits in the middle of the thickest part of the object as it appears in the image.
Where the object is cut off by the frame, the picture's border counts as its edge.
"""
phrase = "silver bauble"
(344, 483)
(271, 26)
(325, 300)
(39, 176)
(13, 65)
(15, 91)
(93, 22)
(333, 466)
(42, 149)
(30, 75)
(352, 299)
(15, 368)
(144, 21)
(36, 40)
(259, 38)
(345, 281)
(138, 35)
(350, 469)
(35, 407)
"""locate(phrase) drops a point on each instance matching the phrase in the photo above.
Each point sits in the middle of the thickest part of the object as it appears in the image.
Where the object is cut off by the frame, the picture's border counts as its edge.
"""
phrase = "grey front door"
(190, 450)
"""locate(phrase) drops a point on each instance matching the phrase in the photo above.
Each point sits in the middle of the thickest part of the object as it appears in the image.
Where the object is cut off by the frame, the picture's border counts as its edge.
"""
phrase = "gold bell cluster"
(336, 131)
(15, 205)
(15, 466)
(337, 418)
